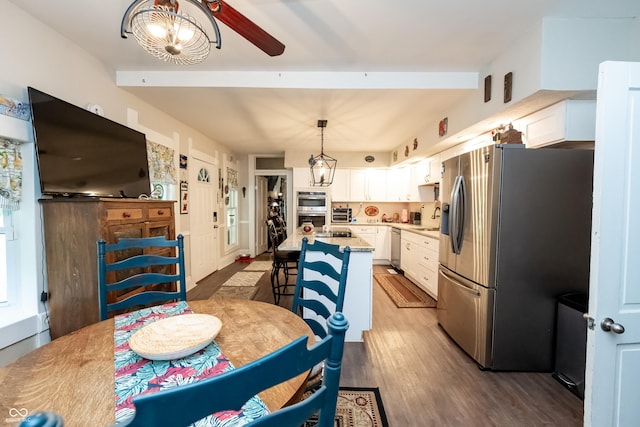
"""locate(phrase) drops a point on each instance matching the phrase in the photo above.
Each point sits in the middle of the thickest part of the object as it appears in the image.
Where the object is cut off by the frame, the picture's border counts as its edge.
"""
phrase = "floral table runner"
(135, 375)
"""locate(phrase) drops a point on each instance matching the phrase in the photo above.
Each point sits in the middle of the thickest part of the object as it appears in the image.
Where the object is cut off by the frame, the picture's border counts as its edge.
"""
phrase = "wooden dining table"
(73, 375)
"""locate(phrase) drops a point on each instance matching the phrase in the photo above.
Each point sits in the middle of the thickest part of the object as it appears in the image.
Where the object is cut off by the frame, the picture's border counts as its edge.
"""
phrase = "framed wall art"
(184, 197)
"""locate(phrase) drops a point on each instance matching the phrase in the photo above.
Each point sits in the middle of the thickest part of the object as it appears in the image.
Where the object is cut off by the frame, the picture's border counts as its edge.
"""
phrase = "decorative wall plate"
(371, 211)
(175, 337)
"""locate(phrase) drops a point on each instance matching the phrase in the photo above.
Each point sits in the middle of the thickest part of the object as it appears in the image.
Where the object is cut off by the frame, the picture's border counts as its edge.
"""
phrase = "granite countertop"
(294, 242)
(423, 230)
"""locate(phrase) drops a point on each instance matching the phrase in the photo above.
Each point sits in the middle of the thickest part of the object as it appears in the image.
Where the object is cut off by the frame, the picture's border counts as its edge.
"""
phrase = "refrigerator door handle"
(460, 213)
(460, 285)
(456, 219)
(453, 216)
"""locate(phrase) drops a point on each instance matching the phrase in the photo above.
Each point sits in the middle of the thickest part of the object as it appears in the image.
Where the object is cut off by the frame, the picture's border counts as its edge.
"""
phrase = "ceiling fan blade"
(246, 28)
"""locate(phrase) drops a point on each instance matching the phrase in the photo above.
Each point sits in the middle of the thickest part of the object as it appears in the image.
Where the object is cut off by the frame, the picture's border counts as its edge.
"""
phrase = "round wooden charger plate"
(175, 337)
(371, 211)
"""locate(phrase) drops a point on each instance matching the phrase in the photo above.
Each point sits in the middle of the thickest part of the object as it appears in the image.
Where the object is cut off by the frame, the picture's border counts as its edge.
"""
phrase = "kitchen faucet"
(435, 213)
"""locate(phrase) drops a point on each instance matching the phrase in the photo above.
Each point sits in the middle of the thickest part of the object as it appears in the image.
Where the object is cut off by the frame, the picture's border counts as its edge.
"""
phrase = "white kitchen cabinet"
(419, 260)
(433, 170)
(571, 120)
(383, 243)
(416, 178)
(341, 186)
(301, 178)
(397, 185)
(368, 185)
(378, 236)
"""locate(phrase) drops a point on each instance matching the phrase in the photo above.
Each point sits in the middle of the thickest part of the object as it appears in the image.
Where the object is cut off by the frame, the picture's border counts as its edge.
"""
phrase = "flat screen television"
(80, 153)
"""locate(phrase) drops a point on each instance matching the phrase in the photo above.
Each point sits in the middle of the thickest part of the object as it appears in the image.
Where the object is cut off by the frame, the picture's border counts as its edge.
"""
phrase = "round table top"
(73, 375)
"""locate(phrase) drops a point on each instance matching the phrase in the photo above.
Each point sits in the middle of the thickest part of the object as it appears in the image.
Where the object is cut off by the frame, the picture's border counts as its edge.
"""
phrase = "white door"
(203, 183)
(261, 214)
(613, 357)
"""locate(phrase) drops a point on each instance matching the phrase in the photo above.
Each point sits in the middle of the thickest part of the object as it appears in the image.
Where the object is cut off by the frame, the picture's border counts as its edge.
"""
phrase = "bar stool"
(285, 261)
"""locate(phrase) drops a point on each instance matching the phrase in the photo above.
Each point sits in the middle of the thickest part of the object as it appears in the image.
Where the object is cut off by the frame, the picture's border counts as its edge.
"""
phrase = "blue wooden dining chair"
(320, 283)
(139, 278)
(185, 404)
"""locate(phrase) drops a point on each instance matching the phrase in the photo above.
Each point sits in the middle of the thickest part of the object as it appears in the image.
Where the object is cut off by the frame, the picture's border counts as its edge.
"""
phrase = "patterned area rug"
(244, 278)
(236, 292)
(403, 292)
(258, 266)
(358, 407)
(241, 285)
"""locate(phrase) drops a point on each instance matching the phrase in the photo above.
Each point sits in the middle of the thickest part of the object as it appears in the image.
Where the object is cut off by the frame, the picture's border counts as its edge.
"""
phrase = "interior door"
(261, 214)
(204, 228)
(613, 356)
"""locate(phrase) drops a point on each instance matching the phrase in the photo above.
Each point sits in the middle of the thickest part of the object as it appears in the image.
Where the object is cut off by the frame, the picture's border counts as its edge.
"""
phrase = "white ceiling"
(350, 43)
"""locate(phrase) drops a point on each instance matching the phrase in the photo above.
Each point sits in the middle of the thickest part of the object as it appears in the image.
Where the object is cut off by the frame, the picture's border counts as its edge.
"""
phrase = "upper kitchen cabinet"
(397, 185)
(571, 120)
(340, 189)
(301, 178)
(368, 185)
(432, 170)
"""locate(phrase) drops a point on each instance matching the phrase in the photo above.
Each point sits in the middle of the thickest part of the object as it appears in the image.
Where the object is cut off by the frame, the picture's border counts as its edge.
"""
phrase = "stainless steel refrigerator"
(515, 235)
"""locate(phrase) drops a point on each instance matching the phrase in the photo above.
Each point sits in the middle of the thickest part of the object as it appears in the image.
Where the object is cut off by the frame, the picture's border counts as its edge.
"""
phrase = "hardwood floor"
(425, 379)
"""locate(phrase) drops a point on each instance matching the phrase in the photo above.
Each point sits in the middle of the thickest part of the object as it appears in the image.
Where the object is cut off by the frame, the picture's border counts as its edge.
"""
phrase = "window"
(232, 217)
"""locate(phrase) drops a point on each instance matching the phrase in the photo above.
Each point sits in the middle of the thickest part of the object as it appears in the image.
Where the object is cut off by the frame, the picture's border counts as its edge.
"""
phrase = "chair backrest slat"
(321, 282)
(139, 272)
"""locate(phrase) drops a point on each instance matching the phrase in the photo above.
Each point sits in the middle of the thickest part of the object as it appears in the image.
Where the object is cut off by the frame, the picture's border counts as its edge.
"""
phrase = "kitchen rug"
(259, 266)
(403, 292)
(244, 278)
(235, 292)
(361, 407)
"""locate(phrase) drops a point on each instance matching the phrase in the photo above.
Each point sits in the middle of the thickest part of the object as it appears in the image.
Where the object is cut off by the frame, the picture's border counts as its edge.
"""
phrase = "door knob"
(608, 325)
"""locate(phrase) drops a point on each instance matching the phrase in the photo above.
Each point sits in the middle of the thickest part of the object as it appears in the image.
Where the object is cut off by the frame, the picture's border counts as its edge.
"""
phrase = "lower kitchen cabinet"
(419, 260)
(377, 236)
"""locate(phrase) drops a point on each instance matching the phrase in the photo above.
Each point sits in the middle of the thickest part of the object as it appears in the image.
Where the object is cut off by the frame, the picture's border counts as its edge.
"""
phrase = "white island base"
(358, 298)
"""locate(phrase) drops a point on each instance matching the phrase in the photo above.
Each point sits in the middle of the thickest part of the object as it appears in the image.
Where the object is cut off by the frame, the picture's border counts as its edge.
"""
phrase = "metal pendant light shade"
(323, 167)
(169, 33)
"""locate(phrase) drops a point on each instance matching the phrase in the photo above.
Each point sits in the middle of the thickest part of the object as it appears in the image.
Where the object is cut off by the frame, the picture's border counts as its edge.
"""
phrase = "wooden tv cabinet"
(71, 229)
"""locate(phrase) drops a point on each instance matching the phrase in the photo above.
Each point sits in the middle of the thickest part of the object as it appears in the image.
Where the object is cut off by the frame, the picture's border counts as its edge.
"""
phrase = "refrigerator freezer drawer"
(465, 312)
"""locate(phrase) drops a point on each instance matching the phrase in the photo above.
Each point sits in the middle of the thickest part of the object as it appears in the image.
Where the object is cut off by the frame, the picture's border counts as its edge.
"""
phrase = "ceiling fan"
(167, 32)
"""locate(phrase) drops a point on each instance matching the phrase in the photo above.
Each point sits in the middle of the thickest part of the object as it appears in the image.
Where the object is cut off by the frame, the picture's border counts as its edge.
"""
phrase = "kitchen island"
(358, 296)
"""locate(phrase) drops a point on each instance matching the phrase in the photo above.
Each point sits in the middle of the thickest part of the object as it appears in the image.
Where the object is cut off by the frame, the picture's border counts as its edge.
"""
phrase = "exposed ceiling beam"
(299, 79)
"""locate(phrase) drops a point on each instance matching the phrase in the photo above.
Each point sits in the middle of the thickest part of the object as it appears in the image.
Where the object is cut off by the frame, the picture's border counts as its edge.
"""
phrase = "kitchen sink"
(427, 229)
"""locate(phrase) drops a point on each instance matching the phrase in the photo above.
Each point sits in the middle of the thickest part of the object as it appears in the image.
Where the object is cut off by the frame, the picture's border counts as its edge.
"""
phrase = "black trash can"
(571, 342)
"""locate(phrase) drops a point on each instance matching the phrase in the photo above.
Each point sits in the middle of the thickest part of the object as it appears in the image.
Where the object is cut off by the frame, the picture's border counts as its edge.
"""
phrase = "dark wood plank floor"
(424, 377)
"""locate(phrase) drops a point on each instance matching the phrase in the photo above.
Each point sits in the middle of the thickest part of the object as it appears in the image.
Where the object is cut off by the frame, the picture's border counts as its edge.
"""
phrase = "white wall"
(555, 60)
(572, 50)
(35, 55)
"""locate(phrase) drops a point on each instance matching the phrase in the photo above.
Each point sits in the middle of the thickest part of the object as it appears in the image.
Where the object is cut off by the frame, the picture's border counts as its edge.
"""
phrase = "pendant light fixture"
(167, 32)
(323, 167)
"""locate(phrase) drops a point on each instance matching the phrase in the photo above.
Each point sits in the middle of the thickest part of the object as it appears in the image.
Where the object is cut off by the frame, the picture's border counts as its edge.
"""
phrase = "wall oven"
(311, 206)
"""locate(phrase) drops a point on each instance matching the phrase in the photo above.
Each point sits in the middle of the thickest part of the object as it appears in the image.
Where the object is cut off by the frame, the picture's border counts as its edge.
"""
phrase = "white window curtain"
(10, 175)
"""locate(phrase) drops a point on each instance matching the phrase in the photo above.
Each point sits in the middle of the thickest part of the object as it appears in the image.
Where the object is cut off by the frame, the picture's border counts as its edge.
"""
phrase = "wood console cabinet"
(71, 229)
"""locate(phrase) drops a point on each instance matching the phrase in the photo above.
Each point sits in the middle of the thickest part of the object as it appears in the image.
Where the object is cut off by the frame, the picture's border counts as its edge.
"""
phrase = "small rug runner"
(244, 278)
(403, 292)
(358, 407)
(236, 292)
(259, 266)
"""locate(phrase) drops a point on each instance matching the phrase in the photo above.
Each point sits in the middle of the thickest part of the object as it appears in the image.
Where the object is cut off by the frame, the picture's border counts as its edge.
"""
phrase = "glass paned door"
(232, 217)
